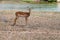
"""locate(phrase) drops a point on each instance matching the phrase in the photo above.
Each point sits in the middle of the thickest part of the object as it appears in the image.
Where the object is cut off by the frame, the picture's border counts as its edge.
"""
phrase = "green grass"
(40, 2)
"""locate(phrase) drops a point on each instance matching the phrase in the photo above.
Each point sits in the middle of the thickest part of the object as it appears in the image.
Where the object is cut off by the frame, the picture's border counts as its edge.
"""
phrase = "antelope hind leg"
(15, 21)
(26, 20)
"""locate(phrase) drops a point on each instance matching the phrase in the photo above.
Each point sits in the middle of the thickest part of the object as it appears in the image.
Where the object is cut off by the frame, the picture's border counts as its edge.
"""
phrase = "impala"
(22, 14)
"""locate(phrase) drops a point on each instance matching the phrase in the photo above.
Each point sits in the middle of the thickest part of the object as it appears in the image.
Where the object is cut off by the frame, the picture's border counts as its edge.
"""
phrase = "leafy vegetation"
(32, 1)
(42, 1)
(52, 0)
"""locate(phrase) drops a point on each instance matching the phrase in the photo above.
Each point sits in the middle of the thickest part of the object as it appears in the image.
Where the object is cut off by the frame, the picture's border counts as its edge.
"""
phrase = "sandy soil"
(37, 20)
(41, 26)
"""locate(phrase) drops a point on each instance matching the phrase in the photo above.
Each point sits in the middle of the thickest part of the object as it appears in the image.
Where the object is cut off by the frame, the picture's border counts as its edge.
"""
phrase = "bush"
(51, 0)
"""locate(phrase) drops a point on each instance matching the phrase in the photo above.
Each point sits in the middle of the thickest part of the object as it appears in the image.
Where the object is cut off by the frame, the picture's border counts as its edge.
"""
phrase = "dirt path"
(36, 21)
